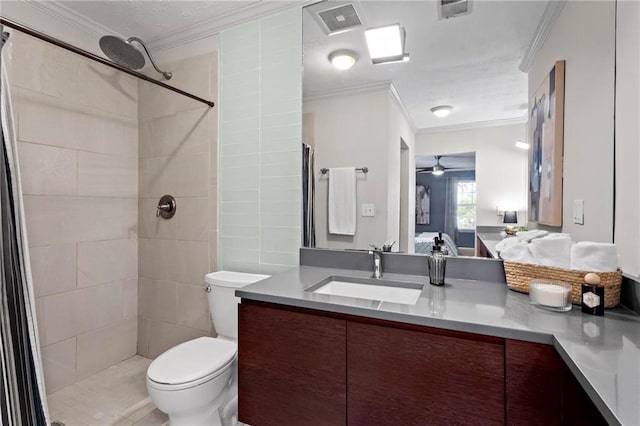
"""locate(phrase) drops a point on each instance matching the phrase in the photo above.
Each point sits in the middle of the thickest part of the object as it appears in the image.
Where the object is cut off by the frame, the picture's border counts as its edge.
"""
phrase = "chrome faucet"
(377, 261)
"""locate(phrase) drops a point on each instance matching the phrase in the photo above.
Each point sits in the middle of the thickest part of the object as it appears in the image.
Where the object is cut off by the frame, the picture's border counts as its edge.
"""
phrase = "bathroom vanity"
(471, 352)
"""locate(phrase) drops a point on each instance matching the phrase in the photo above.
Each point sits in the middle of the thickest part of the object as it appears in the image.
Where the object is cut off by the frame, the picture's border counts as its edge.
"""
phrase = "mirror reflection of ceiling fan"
(438, 168)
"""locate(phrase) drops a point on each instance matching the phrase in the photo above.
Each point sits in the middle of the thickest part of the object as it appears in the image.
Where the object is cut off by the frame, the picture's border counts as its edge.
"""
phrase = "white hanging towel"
(342, 201)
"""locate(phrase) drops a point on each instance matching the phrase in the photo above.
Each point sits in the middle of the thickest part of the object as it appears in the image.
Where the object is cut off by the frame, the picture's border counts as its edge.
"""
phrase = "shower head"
(122, 52)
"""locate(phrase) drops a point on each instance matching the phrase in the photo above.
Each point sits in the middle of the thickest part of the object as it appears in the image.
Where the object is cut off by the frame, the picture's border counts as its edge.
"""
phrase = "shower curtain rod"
(97, 58)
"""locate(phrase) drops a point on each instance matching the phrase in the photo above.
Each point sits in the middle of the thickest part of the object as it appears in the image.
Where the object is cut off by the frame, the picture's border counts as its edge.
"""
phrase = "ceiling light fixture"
(441, 111)
(386, 44)
(437, 170)
(522, 145)
(343, 59)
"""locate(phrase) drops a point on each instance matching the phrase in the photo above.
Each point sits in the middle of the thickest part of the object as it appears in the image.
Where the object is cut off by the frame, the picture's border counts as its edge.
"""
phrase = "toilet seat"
(191, 363)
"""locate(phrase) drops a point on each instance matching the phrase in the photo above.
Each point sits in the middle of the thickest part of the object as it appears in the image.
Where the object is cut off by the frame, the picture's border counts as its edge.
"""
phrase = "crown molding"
(211, 27)
(348, 91)
(474, 125)
(549, 17)
(393, 92)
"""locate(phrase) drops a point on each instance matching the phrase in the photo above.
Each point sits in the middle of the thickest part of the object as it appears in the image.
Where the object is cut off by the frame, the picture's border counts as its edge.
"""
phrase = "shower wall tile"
(164, 335)
(59, 220)
(193, 221)
(77, 128)
(192, 307)
(54, 269)
(178, 151)
(106, 175)
(158, 300)
(59, 364)
(58, 122)
(47, 170)
(105, 347)
(101, 262)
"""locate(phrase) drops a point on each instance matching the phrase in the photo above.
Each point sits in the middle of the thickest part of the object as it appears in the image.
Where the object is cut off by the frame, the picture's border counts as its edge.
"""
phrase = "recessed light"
(386, 44)
(441, 111)
(522, 145)
(343, 59)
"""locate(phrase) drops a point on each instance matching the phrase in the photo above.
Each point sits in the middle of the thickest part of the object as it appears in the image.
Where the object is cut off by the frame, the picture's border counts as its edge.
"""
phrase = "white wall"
(350, 131)
(627, 217)
(583, 36)
(360, 129)
(400, 129)
(501, 168)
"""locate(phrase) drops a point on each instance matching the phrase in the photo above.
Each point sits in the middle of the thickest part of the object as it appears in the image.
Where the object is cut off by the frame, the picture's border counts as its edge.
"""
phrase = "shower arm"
(166, 74)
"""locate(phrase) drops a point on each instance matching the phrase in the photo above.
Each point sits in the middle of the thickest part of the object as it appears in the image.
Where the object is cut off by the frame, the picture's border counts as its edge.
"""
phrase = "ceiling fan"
(438, 168)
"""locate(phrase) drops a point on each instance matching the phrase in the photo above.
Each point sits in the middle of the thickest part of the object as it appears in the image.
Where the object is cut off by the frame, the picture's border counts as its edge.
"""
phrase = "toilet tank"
(223, 304)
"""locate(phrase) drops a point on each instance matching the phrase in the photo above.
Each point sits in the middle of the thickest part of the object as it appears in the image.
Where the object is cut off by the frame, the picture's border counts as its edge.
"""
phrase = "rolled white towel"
(529, 236)
(557, 235)
(552, 251)
(596, 257)
(505, 243)
(518, 252)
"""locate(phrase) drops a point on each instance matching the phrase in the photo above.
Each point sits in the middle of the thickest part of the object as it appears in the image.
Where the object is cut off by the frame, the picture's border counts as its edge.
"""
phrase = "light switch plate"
(368, 210)
(578, 212)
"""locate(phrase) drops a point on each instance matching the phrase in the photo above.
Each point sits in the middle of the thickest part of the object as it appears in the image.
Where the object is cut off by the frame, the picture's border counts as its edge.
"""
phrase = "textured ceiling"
(153, 19)
(470, 62)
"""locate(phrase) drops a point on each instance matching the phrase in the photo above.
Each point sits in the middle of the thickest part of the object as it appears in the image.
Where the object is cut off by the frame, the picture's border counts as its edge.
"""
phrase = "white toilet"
(195, 383)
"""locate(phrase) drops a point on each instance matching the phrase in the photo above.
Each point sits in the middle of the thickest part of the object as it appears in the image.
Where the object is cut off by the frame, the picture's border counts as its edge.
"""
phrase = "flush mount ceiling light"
(343, 59)
(441, 111)
(522, 145)
(386, 44)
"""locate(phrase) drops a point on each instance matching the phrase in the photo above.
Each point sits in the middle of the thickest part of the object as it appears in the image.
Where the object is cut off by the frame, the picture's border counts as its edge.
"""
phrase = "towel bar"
(324, 170)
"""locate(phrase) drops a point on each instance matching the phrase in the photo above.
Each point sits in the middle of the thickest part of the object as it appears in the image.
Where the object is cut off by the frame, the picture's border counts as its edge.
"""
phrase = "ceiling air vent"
(453, 8)
(339, 19)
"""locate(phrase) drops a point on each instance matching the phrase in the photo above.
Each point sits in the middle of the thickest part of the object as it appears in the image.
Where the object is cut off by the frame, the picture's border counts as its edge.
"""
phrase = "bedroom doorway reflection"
(446, 202)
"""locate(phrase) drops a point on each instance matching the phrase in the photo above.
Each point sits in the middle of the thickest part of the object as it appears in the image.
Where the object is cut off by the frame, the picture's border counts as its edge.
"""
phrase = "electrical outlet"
(368, 210)
(578, 212)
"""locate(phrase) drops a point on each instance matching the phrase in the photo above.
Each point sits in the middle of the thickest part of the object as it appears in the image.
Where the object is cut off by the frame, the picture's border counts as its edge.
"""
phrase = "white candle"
(551, 295)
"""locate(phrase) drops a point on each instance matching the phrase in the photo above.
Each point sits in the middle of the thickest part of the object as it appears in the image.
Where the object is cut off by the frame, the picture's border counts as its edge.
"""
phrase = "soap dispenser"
(437, 262)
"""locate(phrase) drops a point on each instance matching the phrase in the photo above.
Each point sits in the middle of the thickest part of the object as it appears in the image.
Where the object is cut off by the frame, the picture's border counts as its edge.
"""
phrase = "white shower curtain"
(22, 394)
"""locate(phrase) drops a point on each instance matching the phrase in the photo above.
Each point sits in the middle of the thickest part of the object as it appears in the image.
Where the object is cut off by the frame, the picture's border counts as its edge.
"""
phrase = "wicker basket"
(519, 274)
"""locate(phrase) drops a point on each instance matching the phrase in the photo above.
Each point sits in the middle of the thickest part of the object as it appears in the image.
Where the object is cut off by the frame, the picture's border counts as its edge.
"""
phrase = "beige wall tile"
(54, 121)
(181, 175)
(152, 226)
(143, 337)
(130, 299)
(57, 317)
(102, 348)
(163, 336)
(98, 306)
(213, 251)
(54, 269)
(193, 307)
(47, 170)
(44, 68)
(106, 89)
(174, 260)
(157, 300)
(192, 216)
(105, 175)
(59, 220)
(106, 261)
(182, 133)
(59, 364)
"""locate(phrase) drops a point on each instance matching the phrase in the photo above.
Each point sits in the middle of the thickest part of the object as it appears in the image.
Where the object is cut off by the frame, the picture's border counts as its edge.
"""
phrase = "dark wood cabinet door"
(410, 377)
(291, 368)
(534, 384)
(481, 249)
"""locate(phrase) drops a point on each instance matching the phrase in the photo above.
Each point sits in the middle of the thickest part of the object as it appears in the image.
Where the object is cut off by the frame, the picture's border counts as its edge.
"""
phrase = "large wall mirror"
(440, 125)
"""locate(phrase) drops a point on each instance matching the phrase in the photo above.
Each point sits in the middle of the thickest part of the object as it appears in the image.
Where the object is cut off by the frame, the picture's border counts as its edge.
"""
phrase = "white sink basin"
(370, 289)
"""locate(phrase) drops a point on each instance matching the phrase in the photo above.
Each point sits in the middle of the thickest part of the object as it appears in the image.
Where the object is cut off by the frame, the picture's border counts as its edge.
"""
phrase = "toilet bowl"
(195, 383)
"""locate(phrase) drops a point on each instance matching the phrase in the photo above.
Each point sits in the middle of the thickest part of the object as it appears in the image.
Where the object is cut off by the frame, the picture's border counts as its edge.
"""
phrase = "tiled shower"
(97, 149)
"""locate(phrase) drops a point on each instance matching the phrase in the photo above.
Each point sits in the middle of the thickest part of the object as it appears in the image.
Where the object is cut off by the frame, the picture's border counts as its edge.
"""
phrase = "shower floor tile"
(115, 396)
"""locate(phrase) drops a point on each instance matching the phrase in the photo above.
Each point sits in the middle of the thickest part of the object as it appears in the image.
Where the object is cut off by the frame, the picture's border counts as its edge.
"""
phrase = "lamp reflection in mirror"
(510, 217)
